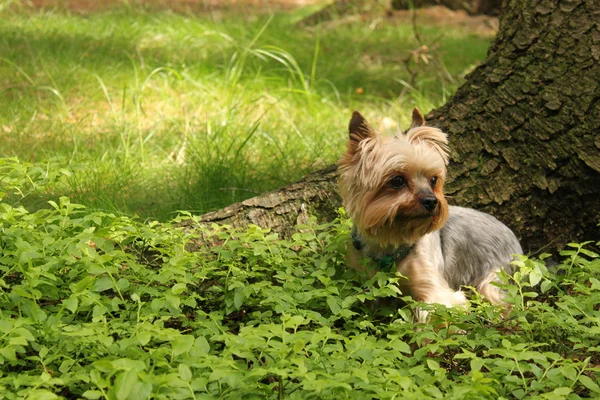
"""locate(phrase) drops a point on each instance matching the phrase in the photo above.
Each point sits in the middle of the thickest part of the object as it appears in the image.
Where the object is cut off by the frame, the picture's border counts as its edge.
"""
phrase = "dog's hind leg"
(491, 292)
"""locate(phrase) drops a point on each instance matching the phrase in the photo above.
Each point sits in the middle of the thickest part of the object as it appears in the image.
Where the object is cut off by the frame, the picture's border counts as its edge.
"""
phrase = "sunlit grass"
(155, 112)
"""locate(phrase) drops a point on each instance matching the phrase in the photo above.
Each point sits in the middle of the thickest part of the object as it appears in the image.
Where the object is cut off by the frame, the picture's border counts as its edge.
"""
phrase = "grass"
(150, 112)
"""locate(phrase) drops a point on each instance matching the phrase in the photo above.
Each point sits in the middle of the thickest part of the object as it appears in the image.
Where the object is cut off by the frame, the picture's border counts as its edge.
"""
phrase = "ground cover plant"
(99, 306)
(154, 111)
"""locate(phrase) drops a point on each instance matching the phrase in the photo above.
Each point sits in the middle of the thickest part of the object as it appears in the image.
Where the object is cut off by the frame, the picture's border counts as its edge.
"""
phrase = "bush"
(96, 305)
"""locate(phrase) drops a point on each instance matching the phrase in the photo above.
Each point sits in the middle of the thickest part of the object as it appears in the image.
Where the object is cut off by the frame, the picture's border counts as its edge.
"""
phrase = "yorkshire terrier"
(392, 188)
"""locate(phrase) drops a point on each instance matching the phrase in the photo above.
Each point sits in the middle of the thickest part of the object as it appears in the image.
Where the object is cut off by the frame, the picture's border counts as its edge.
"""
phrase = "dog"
(392, 189)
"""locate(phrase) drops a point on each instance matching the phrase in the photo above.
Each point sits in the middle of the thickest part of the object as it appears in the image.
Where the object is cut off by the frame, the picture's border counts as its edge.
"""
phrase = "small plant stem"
(281, 391)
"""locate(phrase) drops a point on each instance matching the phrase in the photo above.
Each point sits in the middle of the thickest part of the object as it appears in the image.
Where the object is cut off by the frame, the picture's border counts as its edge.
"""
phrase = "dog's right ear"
(359, 129)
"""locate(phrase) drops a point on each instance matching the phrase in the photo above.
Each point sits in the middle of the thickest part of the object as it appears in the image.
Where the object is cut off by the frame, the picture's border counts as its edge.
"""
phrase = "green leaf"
(332, 302)
(174, 301)
(545, 286)
(535, 276)
(184, 372)
(123, 283)
(5, 326)
(182, 344)
(9, 352)
(92, 394)
(202, 344)
(401, 346)
(569, 372)
(71, 303)
(179, 288)
(143, 337)
(238, 298)
(25, 334)
(103, 284)
(128, 364)
(476, 364)
(105, 366)
(433, 365)
(589, 383)
(299, 346)
(124, 383)
(43, 352)
(82, 284)
(562, 391)
(65, 366)
(294, 321)
(41, 394)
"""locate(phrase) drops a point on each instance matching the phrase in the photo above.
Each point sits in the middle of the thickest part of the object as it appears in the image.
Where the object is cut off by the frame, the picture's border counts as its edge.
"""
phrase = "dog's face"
(392, 187)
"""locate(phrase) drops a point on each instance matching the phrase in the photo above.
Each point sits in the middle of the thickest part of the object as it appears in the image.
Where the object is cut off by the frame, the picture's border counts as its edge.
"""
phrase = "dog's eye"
(433, 181)
(397, 182)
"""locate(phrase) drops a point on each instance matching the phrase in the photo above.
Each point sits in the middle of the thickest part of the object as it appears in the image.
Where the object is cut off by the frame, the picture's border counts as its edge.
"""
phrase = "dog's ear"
(359, 129)
(432, 137)
(417, 119)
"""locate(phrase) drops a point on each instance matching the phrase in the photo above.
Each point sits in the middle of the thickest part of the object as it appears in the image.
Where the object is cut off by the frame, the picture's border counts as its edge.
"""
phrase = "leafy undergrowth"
(94, 305)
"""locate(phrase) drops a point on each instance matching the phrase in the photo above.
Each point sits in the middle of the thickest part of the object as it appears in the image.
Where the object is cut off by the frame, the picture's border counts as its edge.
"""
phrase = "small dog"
(392, 188)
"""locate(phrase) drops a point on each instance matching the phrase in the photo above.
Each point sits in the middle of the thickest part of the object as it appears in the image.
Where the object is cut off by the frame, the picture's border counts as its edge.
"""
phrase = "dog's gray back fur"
(473, 245)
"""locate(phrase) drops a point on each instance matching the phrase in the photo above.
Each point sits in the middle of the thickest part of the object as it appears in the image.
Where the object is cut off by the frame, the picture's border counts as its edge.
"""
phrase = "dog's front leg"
(425, 284)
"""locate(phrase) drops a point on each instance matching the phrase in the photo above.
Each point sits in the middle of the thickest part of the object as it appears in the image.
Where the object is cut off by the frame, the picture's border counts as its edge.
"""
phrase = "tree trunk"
(523, 132)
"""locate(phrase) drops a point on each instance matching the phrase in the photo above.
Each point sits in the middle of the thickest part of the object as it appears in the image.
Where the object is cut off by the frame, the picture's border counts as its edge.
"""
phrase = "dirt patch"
(438, 15)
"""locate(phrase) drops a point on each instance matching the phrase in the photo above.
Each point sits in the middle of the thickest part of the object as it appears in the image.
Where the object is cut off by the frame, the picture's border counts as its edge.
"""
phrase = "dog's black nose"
(429, 203)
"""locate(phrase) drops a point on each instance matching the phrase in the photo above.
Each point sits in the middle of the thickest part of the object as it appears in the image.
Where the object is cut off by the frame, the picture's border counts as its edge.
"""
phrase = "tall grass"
(154, 111)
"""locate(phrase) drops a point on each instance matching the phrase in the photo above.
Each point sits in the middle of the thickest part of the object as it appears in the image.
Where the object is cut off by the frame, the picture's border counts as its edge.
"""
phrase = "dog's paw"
(449, 298)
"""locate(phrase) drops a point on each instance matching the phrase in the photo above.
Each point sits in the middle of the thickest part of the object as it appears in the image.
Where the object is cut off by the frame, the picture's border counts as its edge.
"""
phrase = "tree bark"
(523, 133)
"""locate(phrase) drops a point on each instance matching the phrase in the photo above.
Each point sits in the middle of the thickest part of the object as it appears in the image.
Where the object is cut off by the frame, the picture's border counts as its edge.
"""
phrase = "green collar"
(387, 262)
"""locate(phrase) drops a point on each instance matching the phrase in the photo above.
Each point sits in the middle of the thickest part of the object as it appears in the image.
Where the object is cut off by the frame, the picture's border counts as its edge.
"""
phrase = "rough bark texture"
(524, 133)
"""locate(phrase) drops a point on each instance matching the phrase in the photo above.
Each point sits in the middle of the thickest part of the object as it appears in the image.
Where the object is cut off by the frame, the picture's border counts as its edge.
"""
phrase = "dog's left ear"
(417, 119)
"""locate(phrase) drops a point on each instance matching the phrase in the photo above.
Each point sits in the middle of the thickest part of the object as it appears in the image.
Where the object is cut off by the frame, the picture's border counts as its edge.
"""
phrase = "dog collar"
(387, 262)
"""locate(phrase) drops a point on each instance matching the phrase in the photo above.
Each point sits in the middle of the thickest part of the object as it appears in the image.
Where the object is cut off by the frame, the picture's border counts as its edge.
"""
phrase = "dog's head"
(392, 186)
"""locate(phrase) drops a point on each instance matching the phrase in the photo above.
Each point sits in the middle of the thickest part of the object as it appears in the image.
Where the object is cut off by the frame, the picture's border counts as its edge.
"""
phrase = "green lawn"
(150, 112)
